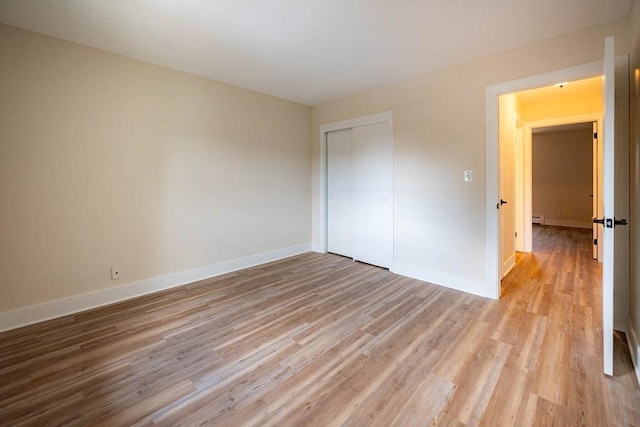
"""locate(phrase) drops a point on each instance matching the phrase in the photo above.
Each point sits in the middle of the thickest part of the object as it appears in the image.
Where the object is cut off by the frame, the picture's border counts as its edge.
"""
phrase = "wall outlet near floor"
(116, 273)
(440, 256)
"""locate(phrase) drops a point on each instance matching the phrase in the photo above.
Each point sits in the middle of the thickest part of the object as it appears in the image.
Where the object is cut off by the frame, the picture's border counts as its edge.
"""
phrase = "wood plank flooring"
(320, 340)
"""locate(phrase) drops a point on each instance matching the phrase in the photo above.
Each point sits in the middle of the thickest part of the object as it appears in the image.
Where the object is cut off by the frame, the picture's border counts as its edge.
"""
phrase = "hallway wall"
(562, 177)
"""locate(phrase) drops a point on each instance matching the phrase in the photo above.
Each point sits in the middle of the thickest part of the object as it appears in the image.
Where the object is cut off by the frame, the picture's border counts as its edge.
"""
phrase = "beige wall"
(439, 131)
(557, 186)
(545, 110)
(578, 103)
(105, 161)
(634, 297)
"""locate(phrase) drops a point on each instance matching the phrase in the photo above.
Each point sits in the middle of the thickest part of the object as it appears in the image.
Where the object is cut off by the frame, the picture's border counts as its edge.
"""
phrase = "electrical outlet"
(440, 256)
(116, 272)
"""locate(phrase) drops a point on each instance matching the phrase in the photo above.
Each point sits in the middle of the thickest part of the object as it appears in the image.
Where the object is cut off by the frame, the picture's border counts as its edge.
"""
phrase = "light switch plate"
(468, 175)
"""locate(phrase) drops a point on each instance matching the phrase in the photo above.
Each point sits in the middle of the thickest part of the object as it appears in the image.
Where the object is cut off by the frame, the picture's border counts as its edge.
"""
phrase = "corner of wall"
(447, 280)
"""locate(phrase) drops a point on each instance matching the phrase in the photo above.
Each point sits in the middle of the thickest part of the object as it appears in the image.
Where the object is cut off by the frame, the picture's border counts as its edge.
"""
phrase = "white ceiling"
(308, 51)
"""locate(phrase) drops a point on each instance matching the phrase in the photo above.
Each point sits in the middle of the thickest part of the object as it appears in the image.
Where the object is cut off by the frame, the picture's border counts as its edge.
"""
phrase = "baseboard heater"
(537, 219)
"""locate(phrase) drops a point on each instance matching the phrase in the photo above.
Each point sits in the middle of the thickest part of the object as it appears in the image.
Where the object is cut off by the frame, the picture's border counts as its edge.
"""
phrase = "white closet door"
(360, 193)
(340, 219)
(372, 182)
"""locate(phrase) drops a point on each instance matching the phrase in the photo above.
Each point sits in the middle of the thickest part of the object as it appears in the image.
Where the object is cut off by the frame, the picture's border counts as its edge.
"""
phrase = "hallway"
(560, 285)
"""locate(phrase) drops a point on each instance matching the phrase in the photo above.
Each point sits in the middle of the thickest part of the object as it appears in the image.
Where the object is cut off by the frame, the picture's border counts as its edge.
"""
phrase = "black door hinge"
(595, 242)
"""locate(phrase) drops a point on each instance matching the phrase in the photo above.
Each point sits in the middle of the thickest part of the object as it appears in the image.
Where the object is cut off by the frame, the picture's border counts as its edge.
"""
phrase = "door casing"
(527, 181)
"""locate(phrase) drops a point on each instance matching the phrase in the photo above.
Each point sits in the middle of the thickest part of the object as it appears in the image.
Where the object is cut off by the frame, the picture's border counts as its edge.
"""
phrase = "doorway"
(571, 104)
(615, 168)
(564, 188)
(495, 259)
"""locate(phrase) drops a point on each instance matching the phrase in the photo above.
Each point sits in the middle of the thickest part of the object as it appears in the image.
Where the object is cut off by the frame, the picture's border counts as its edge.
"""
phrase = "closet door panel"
(340, 218)
(372, 193)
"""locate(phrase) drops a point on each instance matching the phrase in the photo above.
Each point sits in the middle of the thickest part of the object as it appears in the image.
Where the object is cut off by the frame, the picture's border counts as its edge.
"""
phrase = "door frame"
(519, 191)
(527, 180)
(493, 92)
(386, 116)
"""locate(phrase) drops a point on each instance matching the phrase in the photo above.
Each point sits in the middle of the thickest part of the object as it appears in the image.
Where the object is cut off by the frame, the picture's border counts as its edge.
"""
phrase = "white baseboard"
(508, 265)
(634, 348)
(566, 223)
(23, 316)
(459, 283)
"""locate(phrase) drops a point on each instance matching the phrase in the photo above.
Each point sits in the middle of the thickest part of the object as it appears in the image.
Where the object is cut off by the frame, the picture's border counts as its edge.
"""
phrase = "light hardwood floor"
(321, 340)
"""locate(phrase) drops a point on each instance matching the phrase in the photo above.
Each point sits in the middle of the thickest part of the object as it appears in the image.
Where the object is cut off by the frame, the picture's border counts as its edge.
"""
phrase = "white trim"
(521, 219)
(567, 223)
(387, 116)
(526, 193)
(567, 120)
(492, 93)
(509, 264)
(12, 319)
(447, 280)
(634, 348)
(537, 219)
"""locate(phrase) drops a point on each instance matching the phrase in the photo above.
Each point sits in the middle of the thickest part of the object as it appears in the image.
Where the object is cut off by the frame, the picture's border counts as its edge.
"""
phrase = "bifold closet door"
(360, 193)
(340, 232)
(372, 192)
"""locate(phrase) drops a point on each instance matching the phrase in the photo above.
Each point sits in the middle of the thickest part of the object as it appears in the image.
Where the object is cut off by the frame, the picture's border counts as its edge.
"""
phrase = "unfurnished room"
(322, 213)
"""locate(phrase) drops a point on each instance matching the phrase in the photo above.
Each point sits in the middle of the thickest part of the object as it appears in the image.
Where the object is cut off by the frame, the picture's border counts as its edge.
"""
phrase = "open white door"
(608, 169)
(615, 195)
(506, 188)
(594, 190)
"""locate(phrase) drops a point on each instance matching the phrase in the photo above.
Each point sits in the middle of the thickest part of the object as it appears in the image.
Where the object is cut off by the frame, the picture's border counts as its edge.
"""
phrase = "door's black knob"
(620, 221)
(598, 221)
(503, 202)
